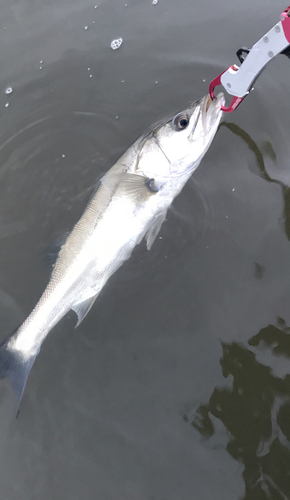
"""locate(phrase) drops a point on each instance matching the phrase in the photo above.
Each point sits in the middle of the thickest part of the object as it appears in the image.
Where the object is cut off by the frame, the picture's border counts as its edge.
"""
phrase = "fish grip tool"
(238, 80)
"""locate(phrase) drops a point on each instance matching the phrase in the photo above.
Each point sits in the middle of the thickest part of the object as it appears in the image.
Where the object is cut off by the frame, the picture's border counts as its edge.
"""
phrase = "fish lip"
(208, 102)
(216, 104)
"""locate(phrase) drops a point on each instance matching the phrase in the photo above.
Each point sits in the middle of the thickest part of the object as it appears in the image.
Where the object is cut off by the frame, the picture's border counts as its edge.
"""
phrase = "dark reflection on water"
(255, 411)
(237, 130)
(267, 150)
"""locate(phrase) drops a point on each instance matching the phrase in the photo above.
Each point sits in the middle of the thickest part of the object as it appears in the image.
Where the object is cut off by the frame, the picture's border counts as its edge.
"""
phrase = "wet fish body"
(130, 203)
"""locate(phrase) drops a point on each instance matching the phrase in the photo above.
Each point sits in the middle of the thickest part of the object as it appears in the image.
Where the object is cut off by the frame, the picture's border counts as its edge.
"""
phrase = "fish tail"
(16, 368)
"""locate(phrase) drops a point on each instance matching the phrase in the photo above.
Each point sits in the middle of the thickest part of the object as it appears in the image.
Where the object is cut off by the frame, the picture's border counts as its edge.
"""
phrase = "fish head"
(176, 146)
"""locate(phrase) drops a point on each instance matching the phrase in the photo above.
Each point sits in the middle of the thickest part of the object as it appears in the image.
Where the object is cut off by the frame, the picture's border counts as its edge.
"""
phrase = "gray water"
(176, 386)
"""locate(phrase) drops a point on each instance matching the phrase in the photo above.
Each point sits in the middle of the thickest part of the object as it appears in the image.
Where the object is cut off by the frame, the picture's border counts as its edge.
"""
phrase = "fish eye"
(180, 121)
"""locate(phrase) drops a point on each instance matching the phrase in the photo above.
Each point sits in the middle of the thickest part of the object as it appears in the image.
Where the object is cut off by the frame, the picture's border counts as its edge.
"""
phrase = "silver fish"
(130, 203)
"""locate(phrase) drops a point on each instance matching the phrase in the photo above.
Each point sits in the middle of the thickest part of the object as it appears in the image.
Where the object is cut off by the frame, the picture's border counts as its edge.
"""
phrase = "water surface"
(177, 383)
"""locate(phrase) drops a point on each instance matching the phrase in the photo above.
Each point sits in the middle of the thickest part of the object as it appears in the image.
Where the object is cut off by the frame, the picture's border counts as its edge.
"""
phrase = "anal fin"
(82, 308)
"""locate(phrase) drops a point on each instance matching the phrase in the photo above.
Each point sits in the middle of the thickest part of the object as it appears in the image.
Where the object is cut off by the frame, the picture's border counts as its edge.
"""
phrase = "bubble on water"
(7, 104)
(117, 117)
(233, 189)
(122, 81)
(116, 44)
(156, 81)
(91, 76)
(203, 80)
(86, 27)
(96, 6)
(126, 5)
(40, 67)
(89, 69)
(8, 90)
(63, 156)
(5, 27)
(154, 2)
(40, 62)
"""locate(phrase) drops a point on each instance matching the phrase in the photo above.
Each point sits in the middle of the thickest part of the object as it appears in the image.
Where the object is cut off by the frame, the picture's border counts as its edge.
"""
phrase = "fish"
(130, 203)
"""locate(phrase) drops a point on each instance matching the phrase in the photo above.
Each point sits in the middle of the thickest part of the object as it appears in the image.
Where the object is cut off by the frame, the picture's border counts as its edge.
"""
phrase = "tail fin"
(16, 369)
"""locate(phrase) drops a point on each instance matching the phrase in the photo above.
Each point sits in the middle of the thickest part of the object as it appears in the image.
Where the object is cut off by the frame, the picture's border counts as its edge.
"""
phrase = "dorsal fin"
(53, 250)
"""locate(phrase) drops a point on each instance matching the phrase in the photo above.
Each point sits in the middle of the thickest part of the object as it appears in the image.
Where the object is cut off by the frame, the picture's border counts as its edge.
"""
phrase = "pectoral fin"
(137, 187)
(82, 308)
(155, 228)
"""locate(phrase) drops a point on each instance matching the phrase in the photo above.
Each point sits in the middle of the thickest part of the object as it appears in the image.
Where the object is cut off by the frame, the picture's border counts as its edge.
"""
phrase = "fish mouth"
(211, 111)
